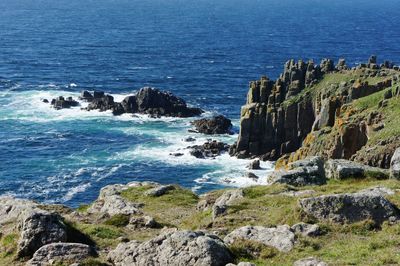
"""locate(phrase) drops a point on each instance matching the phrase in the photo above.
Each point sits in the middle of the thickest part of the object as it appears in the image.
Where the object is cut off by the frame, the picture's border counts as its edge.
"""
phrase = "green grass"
(119, 220)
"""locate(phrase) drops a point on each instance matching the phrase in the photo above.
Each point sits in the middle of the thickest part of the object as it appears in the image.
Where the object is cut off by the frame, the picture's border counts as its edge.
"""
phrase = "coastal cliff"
(327, 110)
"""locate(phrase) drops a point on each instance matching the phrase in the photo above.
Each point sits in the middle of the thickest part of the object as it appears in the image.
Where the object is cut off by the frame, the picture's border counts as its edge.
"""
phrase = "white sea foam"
(75, 190)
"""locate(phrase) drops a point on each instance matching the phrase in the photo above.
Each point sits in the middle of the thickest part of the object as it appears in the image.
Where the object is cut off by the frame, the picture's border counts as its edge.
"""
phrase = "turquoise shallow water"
(203, 51)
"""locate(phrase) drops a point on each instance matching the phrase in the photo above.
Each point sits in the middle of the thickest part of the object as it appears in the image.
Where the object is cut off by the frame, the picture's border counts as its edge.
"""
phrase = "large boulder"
(350, 207)
(106, 102)
(39, 228)
(227, 199)
(342, 169)
(12, 209)
(309, 171)
(111, 202)
(216, 125)
(280, 237)
(395, 164)
(61, 102)
(161, 103)
(179, 248)
(210, 149)
(61, 253)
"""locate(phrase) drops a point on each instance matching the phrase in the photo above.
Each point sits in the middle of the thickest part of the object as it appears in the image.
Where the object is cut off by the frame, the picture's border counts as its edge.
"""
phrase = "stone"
(252, 176)
(280, 237)
(61, 252)
(210, 149)
(395, 164)
(38, 228)
(241, 264)
(45, 101)
(61, 102)
(144, 221)
(299, 193)
(254, 165)
(310, 261)
(372, 59)
(350, 207)
(224, 201)
(159, 190)
(215, 125)
(129, 104)
(12, 209)
(86, 96)
(306, 229)
(112, 203)
(342, 169)
(173, 248)
(378, 190)
(309, 171)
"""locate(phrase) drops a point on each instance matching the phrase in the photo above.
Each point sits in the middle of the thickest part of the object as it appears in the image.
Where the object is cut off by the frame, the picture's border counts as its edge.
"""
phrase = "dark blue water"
(204, 51)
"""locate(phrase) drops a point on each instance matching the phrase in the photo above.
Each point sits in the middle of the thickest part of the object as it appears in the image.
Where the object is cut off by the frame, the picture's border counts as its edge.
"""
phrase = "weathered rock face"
(61, 102)
(210, 149)
(309, 171)
(349, 208)
(306, 229)
(395, 164)
(224, 201)
(342, 169)
(60, 252)
(216, 125)
(37, 229)
(178, 248)
(279, 115)
(281, 237)
(146, 101)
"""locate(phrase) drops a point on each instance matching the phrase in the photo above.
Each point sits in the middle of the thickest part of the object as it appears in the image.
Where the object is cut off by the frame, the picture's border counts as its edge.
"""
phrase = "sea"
(205, 51)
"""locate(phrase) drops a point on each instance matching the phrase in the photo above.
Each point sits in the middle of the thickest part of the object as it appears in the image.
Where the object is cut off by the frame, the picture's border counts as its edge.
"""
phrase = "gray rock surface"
(311, 261)
(215, 125)
(12, 209)
(60, 252)
(309, 171)
(254, 165)
(144, 221)
(159, 190)
(395, 164)
(39, 228)
(179, 248)
(280, 237)
(224, 201)
(351, 207)
(241, 264)
(306, 229)
(342, 169)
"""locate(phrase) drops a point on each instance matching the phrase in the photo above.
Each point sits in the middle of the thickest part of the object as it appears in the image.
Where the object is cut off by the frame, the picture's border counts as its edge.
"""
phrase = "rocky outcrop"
(210, 149)
(279, 115)
(61, 253)
(343, 169)
(173, 248)
(147, 100)
(37, 229)
(224, 201)
(350, 208)
(395, 164)
(159, 190)
(215, 125)
(309, 171)
(281, 237)
(306, 229)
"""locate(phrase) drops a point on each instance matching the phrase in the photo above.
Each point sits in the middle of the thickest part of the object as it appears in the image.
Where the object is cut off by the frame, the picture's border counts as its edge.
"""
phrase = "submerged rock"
(350, 207)
(173, 248)
(61, 252)
(216, 125)
(280, 237)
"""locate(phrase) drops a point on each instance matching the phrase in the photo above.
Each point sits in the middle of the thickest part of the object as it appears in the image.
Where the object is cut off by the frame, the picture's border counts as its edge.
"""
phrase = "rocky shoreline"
(146, 223)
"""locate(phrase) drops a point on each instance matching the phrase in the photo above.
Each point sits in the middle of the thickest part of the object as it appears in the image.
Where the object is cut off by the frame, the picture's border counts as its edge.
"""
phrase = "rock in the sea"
(210, 149)
(309, 171)
(395, 164)
(216, 125)
(173, 248)
(311, 261)
(104, 103)
(86, 96)
(350, 207)
(254, 165)
(342, 169)
(280, 237)
(61, 102)
(306, 229)
(61, 252)
(224, 201)
(111, 202)
(39, 228)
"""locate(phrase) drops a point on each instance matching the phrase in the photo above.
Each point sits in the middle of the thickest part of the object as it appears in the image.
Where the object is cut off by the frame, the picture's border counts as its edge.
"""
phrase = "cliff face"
(307, 98)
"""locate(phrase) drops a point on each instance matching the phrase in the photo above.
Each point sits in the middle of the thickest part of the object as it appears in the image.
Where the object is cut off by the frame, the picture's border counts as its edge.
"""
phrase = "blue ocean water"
(204, 51)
